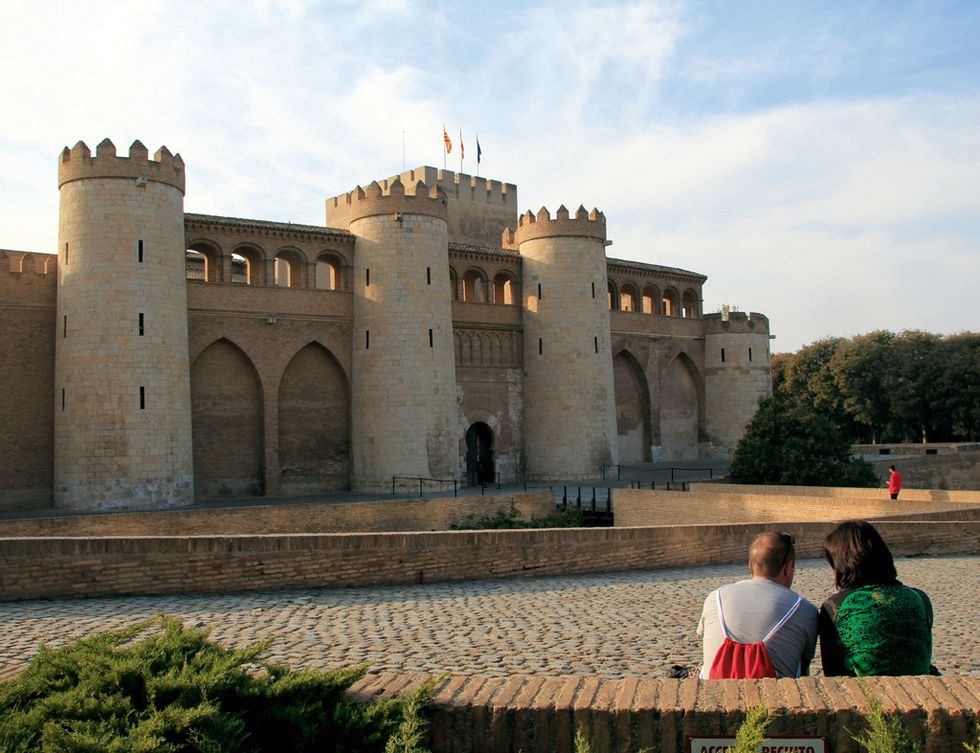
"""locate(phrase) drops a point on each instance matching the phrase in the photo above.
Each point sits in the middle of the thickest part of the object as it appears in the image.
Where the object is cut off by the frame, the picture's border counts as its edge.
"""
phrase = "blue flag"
(479, 151)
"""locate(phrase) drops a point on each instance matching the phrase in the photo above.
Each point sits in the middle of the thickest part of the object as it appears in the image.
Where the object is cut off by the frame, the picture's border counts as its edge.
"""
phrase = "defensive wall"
(299, 517)
(801, 493)
(543, 714)
(32, 568)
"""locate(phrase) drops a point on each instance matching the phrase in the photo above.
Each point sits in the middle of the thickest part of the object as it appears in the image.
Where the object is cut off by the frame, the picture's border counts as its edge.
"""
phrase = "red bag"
(735, 661)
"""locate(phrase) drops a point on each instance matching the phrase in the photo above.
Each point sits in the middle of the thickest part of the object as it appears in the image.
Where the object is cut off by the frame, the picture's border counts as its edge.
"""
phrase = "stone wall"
(305, 517)
(32, 568)
(27, 332)
(799, 493)
(543, 714)
(635, 507)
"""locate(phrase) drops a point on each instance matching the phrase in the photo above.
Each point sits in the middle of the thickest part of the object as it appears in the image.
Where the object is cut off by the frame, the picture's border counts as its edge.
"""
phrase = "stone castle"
(427, 330)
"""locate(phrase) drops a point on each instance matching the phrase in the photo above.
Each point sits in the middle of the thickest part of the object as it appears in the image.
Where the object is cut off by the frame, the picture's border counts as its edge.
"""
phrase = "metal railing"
(422, 481)
(606, 469)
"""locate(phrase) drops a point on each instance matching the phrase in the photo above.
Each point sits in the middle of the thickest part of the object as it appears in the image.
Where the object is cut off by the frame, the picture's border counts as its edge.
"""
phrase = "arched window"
(503, 289)
(246, 265)
(453, 285)
(628, 299)
(671, 303)
(329, 272)
(241, 269)
(474, 287)
(689, 309)
(203, 262)
(613, 297)
(651, 300)
(289, 269)
(197, 265)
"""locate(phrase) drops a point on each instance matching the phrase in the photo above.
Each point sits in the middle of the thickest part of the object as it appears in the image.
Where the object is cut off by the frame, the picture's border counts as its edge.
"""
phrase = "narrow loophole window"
(64, 327)
(62, 398)
(66, 254)
(723, 355)
(593, 290)
(750, 355)
(141, 324)
(367, 277)
(139, 250)
(367, 339)
(539, 291)
(540, 346)
(595, 341)
(142, 398)
(428, 275)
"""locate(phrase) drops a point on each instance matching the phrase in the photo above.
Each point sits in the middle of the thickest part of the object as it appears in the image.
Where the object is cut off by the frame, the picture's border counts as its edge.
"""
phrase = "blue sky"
(819, 162)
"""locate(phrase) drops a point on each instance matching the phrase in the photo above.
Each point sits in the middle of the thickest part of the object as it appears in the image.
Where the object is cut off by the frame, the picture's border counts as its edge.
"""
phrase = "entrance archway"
(479, 455)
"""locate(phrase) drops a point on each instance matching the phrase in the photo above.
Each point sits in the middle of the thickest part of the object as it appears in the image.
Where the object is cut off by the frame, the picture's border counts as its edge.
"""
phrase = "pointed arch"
(681, 409)
(632, 409)
(226, 422)
(314, 423)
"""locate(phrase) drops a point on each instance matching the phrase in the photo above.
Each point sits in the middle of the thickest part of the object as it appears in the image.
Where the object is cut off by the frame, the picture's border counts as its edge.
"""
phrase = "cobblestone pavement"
(611, 625)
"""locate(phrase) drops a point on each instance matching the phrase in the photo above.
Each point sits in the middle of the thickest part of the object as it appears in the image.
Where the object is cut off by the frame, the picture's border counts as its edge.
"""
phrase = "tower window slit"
(66, 253)
(430, 338)
(62, 398)
(367, 276)
(723, 355)
(139, 250)
(540, 346)
(141, 324)
(64, 326)
(595, 341)
(750, 355)
(428, 275)
(142, 398)
(539, 291)
(367, 339)
(593, 290)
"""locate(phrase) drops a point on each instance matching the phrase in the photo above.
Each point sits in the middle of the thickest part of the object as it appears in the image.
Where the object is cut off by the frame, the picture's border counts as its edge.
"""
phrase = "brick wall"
(634, 507)
(307, 517)
(627, 715)
(33, 568)
(907, 495)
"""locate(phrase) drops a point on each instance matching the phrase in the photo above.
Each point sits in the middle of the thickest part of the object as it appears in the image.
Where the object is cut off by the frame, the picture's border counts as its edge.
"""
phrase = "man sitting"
(759, 627)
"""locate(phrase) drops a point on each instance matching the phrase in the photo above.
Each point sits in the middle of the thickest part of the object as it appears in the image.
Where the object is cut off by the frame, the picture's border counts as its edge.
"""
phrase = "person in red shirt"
(894, 482)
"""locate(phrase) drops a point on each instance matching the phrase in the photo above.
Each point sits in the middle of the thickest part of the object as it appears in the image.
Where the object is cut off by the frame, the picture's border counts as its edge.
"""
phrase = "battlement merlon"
(737, 321)
(78, 163)
(584, 224)
(390, 200)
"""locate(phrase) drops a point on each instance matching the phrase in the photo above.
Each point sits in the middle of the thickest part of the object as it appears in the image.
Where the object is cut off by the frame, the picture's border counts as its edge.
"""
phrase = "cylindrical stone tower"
(737, 374)
(569, 403)
(122, 382)
(403, 402)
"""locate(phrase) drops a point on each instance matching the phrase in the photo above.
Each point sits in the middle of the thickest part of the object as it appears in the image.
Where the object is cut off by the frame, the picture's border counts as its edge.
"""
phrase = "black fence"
(670, 473)
(432, 484)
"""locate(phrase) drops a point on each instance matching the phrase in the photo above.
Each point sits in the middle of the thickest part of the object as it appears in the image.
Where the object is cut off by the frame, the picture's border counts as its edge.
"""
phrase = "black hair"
(858, 555)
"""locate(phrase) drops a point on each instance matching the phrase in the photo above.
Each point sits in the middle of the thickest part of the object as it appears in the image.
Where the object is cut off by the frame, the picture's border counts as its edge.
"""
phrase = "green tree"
(787, 444)
(959, 396)
(913, 382)
(861, 369)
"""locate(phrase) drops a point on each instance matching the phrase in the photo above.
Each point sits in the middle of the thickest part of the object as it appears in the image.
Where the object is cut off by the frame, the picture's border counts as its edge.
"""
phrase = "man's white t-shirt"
(752, 608)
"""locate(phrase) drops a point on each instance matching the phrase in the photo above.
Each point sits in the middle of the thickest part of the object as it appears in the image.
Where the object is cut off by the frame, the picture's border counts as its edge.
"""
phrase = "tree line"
(881, 387)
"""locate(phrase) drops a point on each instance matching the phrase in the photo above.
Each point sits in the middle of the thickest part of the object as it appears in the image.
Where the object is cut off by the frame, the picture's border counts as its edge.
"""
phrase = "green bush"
(787, 444)
(174, 691)
(571, 517)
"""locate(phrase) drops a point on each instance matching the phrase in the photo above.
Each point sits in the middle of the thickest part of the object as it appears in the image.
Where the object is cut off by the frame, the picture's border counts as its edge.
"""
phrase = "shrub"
(571, 517)
(174, 691)
(786, 444)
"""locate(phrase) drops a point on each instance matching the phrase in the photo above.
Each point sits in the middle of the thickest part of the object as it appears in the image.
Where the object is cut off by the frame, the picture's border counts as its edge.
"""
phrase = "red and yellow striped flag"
(447, 140)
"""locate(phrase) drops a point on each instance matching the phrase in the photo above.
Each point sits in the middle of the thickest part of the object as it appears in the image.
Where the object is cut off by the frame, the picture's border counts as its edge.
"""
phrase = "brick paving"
(611, 625)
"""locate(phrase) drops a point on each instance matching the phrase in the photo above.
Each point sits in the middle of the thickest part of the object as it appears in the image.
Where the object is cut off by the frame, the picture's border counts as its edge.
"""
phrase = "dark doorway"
(479, 454)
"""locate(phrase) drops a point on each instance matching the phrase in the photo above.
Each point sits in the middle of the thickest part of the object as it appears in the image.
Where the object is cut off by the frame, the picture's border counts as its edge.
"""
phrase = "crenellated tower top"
(78, 163)
(584, 224)
(375, 200)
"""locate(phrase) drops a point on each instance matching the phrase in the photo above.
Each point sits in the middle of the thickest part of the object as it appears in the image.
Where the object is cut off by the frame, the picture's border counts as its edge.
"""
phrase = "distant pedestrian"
(894, 482)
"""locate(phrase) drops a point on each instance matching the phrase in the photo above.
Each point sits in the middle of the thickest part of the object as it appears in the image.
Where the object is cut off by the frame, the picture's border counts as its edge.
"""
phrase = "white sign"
(716, 744)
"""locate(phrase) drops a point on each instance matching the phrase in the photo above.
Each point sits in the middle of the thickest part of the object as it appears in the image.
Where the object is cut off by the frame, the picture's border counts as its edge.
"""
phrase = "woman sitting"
(873, 625)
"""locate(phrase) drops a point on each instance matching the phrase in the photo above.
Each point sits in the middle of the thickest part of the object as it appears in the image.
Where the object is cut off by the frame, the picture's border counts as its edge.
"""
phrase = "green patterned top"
(880, 629)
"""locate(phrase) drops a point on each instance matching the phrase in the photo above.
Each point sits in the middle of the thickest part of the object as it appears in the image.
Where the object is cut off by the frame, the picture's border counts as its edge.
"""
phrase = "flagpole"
(444, 146)
(404, 166)
(461, 150)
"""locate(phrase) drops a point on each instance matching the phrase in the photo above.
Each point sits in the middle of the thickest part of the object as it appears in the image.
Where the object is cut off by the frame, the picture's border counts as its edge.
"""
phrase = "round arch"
(651, 299)
(249, 267)
(629, 298)
(633, 423)
(671, 302)
(689, 305)
(204, 260)
(504, 288)
(475, 288)
(290, 268)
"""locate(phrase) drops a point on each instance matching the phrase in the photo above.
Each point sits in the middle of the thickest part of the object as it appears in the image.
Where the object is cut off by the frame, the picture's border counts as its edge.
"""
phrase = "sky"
(819, 162)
